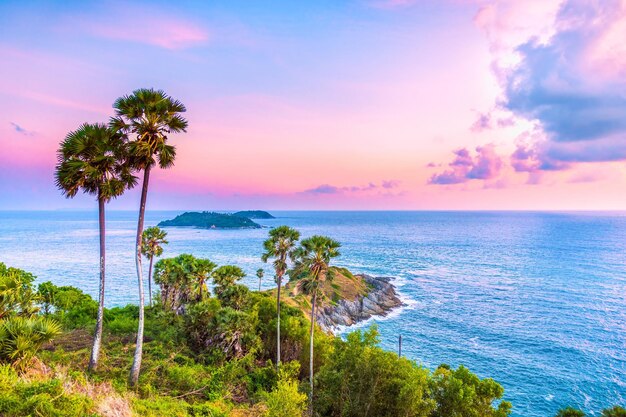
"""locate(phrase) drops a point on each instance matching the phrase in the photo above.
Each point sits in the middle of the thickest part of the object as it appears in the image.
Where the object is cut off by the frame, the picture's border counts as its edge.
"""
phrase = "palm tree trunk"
(134, 370)
(97, 338)
(280, 278)
(311, 352)
(150, 280)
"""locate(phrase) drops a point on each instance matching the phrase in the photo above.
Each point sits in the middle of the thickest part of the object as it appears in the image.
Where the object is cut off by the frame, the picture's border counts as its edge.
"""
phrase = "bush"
(21, 338)
(285, 400)
(460, 392)
(360, 378)
(46, 399)
(614, 412)
(570, 412)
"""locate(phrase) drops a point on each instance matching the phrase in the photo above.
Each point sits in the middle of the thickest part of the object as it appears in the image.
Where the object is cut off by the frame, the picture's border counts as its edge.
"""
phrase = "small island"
(210, 220)
(254, 214)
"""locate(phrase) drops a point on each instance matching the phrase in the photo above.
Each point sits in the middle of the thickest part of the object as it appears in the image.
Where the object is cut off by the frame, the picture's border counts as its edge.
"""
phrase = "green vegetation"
(146, 118)
(211, 354)
(209, 346)
(151, 245)
(210, 220)
(95, 159)
(254, 214)
(615, 411)
(311, 270)
(280, 246)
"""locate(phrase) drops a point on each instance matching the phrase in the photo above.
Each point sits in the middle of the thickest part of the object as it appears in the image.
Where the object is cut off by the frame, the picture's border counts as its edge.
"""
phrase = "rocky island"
(349, 299)
(213, 220)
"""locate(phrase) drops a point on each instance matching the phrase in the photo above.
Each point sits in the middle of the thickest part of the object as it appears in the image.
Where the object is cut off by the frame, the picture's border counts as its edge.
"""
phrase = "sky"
(331, 105)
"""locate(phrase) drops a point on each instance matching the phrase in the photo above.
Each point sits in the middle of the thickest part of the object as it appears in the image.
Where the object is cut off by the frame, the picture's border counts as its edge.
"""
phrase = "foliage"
(94, 158)
(21, 338)
(226, 288)
(254, 214)
(153, 238)
(280, 245)
(182, 279)
(48, 398)
(211, 220)
(615, 411)
(360, 379)
(458, 392)
(285, 400)
(68, 305)
(570, 412)
(219, 333)
(17, 297)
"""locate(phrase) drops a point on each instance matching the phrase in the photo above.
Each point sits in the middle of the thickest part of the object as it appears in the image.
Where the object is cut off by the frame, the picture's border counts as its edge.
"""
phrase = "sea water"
(536, 301)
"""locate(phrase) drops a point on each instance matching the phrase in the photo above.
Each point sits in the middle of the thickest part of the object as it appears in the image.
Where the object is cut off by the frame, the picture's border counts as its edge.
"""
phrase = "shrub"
(21, 338)
(615, 411)
(285, 400)
(570, 412)
(43, 398)
(460, 392)
(360, 378)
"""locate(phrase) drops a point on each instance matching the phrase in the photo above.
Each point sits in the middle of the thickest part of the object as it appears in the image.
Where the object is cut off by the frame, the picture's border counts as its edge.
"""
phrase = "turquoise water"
(535, 300)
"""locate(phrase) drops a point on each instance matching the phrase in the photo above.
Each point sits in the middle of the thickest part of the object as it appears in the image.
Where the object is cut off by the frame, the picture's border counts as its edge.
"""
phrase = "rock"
(379, 301)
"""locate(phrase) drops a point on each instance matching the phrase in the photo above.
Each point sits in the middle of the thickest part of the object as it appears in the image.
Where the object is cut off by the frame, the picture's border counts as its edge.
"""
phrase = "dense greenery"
(217, 359)
(210, 220)
(209, 346)
(254, 214)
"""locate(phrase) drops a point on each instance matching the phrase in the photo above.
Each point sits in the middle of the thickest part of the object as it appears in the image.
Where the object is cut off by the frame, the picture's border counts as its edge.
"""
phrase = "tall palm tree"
(148, 117)
(312, 270)
(152, 240)
(94, 159)
(280, 246)
(259, 275)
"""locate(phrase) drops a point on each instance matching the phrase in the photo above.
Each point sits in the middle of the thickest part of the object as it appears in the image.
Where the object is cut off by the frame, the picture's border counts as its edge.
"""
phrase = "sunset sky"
(364, 104)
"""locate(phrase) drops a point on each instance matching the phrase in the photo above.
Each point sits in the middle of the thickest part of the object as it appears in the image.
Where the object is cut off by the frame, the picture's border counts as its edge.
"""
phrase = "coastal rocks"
(379, 300)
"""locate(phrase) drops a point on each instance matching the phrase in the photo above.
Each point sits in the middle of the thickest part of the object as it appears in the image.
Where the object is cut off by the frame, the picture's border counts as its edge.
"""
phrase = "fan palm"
(152, 240)
(312, 270)
(225, 277)
(94, 159)
(259, 275)
(280, 246)
(21, 337)
(147, 116)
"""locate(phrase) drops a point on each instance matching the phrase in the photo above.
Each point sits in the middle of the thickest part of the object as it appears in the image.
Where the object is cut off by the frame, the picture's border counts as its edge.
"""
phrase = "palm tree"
(280, 245)
(199, 271)
(225, 277)
(151, 116)
(94, 159)
(152, 239)
(312, 269)
(259, 274)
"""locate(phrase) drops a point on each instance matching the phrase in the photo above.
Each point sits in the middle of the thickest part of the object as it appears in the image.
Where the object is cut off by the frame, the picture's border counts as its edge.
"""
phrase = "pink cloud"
(332, 189)
(486, 165)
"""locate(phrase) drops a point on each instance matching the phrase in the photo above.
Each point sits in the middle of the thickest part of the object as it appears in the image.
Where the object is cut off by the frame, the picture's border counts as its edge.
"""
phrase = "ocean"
(535, 300)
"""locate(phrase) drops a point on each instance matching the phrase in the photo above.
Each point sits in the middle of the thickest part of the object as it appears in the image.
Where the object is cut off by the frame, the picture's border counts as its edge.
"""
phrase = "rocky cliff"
(378, 300)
